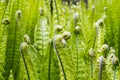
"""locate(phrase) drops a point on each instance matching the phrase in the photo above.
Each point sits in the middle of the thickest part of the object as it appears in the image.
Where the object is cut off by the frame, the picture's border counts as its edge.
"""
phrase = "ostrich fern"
(67, 40)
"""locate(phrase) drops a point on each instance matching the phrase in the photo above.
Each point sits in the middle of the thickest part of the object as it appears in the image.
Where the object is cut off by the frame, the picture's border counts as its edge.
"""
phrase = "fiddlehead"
(23, 50)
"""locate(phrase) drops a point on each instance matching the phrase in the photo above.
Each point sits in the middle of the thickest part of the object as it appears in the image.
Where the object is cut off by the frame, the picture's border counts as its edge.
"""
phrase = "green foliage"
(55, 40)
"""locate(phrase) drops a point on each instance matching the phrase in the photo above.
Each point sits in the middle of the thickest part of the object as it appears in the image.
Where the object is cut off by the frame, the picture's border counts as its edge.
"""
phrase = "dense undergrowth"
(55, 40)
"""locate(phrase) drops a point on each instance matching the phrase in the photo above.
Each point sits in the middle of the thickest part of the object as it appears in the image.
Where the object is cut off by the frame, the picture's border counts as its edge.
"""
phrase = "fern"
(66, 39)
(12, 51)
(23, 50)
(41, 39)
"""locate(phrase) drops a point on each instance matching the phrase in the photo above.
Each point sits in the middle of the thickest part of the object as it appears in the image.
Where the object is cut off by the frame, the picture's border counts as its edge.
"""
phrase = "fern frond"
(41, 38)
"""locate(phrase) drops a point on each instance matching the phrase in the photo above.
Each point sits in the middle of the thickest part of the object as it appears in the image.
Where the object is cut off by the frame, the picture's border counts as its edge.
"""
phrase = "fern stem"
(75, 24)
(68, 3)
(59, 59)
(51, 7)
(25, 64)
(49, 66)
(86, 2)
(91, 60)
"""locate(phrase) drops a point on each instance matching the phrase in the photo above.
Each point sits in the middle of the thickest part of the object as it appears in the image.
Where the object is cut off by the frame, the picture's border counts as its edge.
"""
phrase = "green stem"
(25, 64)
(59, 59)
(49, 66)
(68, 3)
(75, 24)
(51, 7)
(91, 60)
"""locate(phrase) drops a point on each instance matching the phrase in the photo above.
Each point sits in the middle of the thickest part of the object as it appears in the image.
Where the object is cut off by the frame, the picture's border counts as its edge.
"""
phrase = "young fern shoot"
(23, 50)
(76, 33)
(58, 38)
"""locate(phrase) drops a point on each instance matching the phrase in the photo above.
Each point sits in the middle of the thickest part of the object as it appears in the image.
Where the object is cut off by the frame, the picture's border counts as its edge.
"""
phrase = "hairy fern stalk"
(59, 39)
